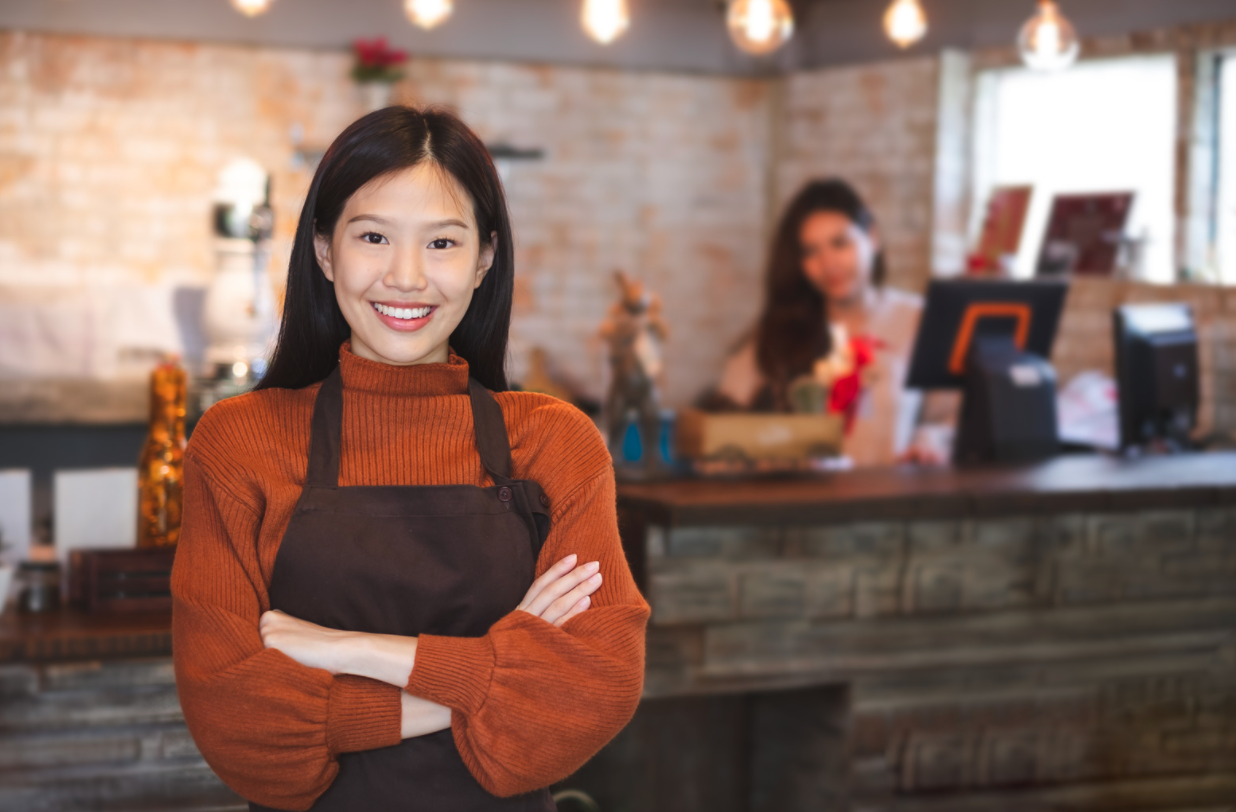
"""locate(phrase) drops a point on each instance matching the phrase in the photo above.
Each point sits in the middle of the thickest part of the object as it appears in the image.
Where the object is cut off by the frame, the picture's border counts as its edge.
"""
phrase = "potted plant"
(377, 68)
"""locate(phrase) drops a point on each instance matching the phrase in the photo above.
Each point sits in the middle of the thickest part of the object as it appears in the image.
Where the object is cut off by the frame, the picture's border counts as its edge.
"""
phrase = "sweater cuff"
(362, 714)
(453, 671)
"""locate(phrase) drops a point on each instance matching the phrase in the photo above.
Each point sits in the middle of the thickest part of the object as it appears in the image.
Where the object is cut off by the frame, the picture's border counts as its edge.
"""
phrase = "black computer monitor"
(960, 311)
(992, 339)
(1156, 374)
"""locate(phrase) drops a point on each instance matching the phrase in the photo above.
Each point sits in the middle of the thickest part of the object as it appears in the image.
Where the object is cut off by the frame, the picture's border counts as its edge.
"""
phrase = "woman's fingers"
(561, 586)
(552, 574)
(578, 608)
(558, 611)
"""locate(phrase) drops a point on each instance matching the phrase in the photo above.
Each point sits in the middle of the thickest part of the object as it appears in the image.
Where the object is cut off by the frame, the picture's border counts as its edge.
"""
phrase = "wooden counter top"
(1082, 483)
(73, 635)
(1065, 484)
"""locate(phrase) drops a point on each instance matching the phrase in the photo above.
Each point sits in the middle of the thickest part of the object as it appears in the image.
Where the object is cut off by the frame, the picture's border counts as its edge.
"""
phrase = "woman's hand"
(563, 591)
(307, 643)
(387, 658)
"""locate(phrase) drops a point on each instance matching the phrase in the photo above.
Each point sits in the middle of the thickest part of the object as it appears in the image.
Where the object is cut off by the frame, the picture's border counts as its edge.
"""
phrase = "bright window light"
(1100, 126)
(1225, 212)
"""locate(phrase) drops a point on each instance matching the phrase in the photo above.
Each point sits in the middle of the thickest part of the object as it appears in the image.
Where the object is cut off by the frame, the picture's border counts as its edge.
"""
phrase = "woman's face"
(837, 255)
(405, 258)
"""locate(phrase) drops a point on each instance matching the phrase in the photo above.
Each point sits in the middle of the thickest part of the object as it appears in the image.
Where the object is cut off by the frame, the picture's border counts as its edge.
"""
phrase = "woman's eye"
(441, 243)
(373, 238)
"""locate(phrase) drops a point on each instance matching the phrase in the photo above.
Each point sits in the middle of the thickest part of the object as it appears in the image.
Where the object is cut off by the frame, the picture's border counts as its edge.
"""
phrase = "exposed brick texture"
(109, 151)
(94, 735)
(1076, 659)
(874, 125)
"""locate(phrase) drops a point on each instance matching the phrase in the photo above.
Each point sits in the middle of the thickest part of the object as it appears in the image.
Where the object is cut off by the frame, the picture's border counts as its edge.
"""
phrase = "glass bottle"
(161, 469)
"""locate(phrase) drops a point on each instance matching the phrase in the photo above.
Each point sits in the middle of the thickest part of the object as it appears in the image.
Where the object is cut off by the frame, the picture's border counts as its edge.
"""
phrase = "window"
(1100, 126)
(1225, 198)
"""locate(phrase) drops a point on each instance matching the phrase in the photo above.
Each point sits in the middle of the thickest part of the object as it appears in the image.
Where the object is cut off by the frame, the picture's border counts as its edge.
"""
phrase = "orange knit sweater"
(530, 702)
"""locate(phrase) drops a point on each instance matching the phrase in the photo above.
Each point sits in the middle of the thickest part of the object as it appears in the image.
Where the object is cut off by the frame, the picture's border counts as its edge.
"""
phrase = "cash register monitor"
(1156, 374)
(992, 339)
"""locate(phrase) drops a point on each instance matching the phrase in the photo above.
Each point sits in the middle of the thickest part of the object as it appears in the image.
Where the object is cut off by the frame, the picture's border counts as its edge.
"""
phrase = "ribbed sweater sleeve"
(531, 703)
(269, 727)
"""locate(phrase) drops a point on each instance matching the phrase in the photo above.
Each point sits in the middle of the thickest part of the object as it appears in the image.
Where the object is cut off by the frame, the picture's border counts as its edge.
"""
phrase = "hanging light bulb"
(605, 20)
(905, 22)
(759, 26)
(251, 8)
(428, 13)
(1047, 40)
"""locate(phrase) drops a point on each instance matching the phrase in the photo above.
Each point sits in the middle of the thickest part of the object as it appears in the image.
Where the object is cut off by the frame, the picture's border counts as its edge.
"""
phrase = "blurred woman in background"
(829, 315)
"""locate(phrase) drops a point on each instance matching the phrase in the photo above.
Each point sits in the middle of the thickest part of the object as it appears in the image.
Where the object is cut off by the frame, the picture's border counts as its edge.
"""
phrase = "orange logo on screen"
(986, 310)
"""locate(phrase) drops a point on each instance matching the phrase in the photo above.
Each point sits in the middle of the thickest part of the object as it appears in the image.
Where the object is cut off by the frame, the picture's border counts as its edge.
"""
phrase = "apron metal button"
(544, 500)
(504, 493)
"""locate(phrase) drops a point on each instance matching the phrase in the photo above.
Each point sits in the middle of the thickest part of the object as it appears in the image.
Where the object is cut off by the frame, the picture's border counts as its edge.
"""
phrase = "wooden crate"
(750, 436)
(125, 580)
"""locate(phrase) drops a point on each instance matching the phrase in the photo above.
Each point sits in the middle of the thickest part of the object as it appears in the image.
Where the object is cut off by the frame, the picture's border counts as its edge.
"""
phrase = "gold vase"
(161, 470)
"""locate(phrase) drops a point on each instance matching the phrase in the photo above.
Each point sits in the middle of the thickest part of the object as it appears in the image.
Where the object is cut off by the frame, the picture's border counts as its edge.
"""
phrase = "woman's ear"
(485, 260)
(321, 250)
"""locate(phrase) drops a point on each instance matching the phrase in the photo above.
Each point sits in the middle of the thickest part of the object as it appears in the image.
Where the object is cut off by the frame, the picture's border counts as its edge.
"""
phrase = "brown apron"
(409, 560)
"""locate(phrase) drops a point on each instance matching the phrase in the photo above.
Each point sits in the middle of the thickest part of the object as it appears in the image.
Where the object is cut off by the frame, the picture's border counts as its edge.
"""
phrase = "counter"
(1060, 635)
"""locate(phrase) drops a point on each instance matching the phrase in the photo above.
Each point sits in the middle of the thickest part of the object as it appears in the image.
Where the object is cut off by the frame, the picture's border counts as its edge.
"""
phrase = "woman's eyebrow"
(382, 221)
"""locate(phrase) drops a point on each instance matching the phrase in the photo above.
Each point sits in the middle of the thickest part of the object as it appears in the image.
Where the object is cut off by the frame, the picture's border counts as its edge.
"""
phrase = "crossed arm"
(560, 594)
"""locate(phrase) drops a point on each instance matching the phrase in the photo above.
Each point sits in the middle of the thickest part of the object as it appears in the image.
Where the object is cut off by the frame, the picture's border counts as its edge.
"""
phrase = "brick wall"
(1078, 660)
(874, 125)
(100, 735)
(659, 175)
(109, 151)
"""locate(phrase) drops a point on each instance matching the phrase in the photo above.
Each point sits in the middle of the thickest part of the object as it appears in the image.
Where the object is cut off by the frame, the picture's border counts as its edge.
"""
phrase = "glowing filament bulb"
(605, 20)
(1047, 40)
(759, 26)
(905, 22)
(428, 13)
(251, 8)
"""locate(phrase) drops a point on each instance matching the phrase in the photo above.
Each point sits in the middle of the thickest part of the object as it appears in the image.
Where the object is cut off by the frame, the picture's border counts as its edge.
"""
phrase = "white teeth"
(402, 312)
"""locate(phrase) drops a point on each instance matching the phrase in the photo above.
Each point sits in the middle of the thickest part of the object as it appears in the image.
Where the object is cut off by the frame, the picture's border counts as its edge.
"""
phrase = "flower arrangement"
(377, 62)
(843, 372)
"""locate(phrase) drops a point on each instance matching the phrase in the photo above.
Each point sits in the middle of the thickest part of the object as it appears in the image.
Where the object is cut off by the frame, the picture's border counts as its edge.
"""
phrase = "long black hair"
(793, 330)
(382, 142)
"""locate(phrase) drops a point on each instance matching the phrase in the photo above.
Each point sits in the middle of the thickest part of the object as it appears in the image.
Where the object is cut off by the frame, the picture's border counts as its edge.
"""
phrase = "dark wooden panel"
(1065, 484)
(676, 755)
(70, 634)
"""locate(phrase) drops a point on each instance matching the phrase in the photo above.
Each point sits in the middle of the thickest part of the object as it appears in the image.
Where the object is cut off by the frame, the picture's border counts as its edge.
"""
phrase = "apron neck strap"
(492, 442)
(324, 435)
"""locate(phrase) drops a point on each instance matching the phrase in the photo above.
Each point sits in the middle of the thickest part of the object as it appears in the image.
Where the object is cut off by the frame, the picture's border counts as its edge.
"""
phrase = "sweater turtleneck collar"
(362, 375)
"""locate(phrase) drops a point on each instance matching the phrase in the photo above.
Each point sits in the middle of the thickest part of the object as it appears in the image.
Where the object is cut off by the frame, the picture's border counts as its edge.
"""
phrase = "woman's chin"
(400, 353)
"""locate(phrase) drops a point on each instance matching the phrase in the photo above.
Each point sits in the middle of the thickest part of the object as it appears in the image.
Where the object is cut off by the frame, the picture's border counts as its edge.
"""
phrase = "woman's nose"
(407, 273)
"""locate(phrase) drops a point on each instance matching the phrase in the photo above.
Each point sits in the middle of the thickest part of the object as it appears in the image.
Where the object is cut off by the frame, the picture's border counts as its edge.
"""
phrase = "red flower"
(846, 391)
(374, 53)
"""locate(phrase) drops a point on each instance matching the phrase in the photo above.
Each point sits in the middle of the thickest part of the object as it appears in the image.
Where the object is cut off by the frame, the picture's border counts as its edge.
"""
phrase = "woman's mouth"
(404, 318)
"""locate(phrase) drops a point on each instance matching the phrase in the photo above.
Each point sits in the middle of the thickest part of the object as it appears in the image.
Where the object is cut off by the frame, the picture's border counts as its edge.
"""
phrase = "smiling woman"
(399, 586)
(404, 261)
